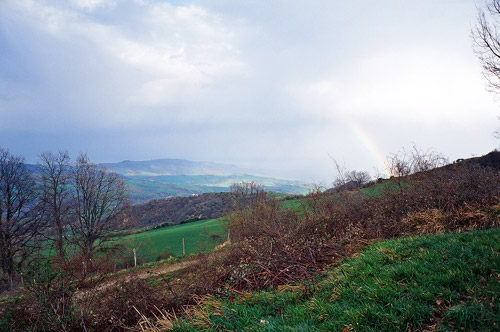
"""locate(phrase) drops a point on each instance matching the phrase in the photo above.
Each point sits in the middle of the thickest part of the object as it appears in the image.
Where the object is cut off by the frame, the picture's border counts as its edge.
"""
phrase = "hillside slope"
(177, 209)
(446, 282)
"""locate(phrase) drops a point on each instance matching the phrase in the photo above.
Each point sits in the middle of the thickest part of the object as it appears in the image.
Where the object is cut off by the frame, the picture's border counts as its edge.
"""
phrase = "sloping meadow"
(274, 246)
(445, 282)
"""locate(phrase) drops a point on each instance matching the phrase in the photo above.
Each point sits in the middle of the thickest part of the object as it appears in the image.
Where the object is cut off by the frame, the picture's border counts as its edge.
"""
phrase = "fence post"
(183, 248)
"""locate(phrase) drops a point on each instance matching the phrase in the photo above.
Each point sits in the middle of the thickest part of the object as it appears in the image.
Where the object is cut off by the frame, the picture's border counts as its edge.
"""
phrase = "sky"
(280, 85)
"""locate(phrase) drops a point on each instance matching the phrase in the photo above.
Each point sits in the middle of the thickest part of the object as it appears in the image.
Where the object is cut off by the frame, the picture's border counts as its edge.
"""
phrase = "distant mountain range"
(162, 178)
(160, 167)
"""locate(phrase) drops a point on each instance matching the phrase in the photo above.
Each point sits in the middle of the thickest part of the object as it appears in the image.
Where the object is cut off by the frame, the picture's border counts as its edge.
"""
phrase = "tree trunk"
(60, 244)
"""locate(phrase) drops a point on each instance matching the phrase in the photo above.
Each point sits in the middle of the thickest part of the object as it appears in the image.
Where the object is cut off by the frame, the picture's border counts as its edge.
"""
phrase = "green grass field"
(198, 236)
(448, 282)
(296, 204)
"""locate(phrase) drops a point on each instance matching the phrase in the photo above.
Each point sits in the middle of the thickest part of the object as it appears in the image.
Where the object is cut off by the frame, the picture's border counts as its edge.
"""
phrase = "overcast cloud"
(277, 84)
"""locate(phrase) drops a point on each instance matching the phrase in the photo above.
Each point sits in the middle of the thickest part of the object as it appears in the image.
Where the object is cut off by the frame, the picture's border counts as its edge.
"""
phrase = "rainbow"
(369, 143)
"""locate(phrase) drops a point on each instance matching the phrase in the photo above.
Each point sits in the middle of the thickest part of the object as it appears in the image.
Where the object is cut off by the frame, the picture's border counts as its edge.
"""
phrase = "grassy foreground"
(447, 282)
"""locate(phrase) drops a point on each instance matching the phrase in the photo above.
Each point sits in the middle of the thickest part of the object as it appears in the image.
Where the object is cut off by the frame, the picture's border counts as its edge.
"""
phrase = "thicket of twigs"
(64, 297)
(272, 246)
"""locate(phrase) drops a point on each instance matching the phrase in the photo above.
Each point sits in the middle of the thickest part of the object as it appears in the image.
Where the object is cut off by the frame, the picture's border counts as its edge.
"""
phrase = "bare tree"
(55, 191)
(18, 226)
(486, 41)
(349, 180)
(246, 194)
(340, 182)
(358, 178)
(403, 163)
(99, 200)
(425, 160)
(399, 164)
(417, 160)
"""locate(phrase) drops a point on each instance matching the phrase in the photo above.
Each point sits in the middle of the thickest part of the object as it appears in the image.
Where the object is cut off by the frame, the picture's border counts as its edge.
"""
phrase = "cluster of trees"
(414, 161)
(398, 165)
(57, 204)
(245, 194)
(349, 180)
(176, 209)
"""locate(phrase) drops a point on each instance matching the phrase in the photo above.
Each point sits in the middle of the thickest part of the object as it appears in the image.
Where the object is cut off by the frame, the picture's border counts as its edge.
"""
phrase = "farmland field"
(161, 243)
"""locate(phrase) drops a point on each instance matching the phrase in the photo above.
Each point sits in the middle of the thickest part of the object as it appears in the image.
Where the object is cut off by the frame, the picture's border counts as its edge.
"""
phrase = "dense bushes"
(46, 300)
(273, 246)
(67, 297)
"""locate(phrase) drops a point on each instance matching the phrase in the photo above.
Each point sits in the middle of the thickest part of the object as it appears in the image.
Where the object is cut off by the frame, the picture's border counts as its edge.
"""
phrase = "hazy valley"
(147, 180)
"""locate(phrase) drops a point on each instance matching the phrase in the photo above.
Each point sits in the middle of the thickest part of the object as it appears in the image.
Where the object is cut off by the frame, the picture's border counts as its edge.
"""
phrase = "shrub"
(46, 300)
(273, 246)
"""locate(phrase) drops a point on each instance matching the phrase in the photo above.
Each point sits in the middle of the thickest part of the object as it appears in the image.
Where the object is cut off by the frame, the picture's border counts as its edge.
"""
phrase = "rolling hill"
(158, 167)
(163, 178)
(180, 209)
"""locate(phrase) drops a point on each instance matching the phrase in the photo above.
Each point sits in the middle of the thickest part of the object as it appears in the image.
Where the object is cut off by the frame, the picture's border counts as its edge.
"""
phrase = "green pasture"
(161, 243)
(198, 236)
(380, 189)
(296, 204)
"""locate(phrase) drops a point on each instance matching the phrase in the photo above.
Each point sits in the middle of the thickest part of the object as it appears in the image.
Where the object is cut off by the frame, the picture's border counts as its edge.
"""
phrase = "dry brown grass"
(161, 321)
(290, 288)
(431, 221)
(434, 221)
